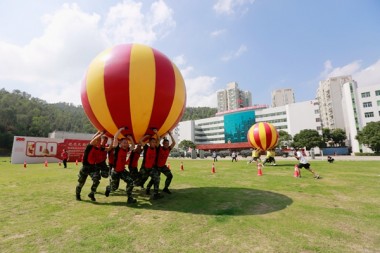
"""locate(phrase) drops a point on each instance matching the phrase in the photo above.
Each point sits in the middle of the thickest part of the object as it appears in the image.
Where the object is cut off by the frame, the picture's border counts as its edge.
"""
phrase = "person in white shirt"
(234, 156)
(303, 163)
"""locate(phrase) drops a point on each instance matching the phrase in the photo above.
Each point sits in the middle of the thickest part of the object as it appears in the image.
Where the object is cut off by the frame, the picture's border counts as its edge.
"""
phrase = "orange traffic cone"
(46, 163)
(24, 164)
(213, 168)
(76, 162)
(182, 166)
(168, 166)
(296, 171)
(259, 169)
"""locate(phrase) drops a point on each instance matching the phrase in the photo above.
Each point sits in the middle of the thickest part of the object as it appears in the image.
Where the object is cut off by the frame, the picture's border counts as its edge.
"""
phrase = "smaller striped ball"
(263, 136)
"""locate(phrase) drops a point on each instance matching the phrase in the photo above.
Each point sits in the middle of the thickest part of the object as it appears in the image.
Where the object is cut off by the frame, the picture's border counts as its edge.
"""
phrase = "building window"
(319, 128)
(317, 120)
(368, 115)
(316, 111)
(367, 104)
(378, 102)
(377, 93)
(366, 94)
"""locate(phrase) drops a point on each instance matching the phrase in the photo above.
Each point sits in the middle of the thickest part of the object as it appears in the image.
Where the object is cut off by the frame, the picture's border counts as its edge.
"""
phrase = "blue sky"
(46, 46)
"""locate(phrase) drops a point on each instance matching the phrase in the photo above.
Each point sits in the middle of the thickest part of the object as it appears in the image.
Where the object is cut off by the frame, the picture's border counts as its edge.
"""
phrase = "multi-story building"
(351, 114)
(232, 127)
(329, 95)
(293, 118)
(369, 103)
(222, 100)
(361, 105)
(282, 97)
(233, 98)
(340, 103)
(209, 130)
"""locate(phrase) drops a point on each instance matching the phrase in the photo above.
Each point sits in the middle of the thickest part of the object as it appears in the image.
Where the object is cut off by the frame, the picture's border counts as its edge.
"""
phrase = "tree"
(193, 113)
(370, 136)
(21, 114)
(338, 136)
(326, 134)
(186, 144)
(284, 138)
(308, 138)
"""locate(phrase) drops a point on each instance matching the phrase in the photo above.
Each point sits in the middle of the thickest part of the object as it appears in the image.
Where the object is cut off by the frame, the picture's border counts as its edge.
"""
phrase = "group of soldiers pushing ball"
(155, 156)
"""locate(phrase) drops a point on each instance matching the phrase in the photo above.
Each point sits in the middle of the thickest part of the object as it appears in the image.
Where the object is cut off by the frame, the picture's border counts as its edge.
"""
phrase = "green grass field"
(233, 210)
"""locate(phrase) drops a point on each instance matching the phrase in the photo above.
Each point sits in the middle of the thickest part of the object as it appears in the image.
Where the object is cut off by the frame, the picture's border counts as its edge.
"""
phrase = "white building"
(329, 96)
(210, 130)
(282, 97)
(369, 103)
(233, 127)
(292, 118)
(351, 114)
(361, 105)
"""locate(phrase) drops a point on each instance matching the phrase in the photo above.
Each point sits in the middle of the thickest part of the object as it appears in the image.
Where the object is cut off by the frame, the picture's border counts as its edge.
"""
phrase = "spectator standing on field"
(65, 157)
(215, 156)
(234, 156)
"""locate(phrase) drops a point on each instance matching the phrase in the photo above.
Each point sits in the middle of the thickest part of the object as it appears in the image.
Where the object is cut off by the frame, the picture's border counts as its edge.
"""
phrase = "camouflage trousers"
(126, 177)
(88, 170)
(154, 179)
(104, 170)
(134, 173)
(169, 176)
(116, 183)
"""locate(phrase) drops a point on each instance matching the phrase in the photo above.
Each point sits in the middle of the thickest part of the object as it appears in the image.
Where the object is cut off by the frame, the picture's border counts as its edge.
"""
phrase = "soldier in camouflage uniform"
(104, 149)
(148, 167)
(119, 172)
(162, 156)
(134, 159)
(89, 167)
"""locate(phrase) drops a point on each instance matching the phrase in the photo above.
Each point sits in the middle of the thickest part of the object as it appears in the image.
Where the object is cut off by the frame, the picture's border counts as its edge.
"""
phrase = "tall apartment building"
(282, 97)
(329, 95)
(233, 98)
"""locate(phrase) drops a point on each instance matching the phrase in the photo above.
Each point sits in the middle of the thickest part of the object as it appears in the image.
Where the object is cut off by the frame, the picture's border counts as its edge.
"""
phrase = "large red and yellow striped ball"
(133, 86)
(263, 135)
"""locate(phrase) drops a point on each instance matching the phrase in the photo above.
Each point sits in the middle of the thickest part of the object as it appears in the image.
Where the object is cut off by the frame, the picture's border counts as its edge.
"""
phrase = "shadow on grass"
(212, 201)
(281, 165)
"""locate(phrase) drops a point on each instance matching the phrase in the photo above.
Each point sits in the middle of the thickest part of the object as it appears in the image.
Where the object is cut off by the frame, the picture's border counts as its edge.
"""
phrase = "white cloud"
(201, 91)
(365, 76)
(125, 22)
(230, 7)
(179, 60)
(234, 54)
(52, 65)
(330, 71)
(368, 76)
(217, 33)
